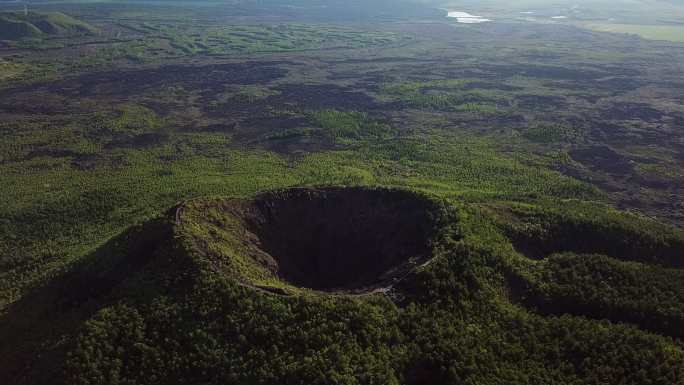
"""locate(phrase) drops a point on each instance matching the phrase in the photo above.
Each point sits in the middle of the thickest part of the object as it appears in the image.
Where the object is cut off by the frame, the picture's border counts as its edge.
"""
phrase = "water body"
(559, 17)
(466, 18)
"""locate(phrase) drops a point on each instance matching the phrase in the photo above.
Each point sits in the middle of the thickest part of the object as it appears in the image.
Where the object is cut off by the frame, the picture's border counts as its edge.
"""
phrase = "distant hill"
(14, 26)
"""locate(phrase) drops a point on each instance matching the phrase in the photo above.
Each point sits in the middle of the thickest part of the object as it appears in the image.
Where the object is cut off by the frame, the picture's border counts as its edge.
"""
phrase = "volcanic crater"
(333, 239)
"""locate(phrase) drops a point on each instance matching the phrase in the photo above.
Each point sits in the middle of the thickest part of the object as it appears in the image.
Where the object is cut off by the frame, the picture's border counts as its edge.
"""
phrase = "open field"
(652, 32)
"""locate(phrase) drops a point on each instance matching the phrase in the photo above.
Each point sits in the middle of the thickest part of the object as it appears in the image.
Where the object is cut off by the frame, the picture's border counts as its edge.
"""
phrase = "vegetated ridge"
(15, 26)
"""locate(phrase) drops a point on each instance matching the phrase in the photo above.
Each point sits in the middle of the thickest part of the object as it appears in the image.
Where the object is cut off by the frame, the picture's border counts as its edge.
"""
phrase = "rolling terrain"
(299, 192)
(15, 26)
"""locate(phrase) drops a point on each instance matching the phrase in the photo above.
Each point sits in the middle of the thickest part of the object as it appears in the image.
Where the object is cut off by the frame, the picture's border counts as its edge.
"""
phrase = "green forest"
(311, 192)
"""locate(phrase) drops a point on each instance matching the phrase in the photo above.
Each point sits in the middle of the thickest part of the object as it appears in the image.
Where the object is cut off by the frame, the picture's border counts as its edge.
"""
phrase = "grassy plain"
(652, 32)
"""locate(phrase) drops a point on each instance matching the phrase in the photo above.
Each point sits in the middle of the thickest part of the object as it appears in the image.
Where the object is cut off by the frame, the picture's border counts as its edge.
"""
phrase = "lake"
(466, 18)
